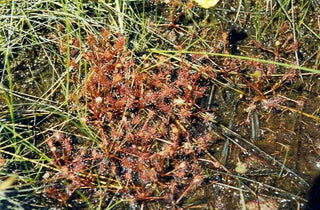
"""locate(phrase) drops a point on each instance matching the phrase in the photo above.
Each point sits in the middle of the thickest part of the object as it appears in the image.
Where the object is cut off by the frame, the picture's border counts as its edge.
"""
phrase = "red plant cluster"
(74, 171)
(144, 120)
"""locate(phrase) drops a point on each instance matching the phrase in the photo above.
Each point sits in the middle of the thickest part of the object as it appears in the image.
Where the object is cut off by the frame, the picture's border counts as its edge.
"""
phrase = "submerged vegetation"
(159, 104)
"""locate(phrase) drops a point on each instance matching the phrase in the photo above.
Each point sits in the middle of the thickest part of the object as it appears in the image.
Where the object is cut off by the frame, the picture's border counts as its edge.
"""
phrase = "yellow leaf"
(207, 3)
(257, 74)
(241, 168)
(7, 183)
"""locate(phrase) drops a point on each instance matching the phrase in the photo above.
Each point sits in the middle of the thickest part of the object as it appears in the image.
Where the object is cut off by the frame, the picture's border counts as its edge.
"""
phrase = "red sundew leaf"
(136, 120)
(180, 174)
(2, 161)
(67, 145)
(120, 44)
(101, 42)
(207, 70)
(131, 103)
(116, 78)
(109, 115)
(89, 57)
(103, 167)
(129, 137)
(120, 104)
(116, 133)
(284, 27)
(73, 63)
(91, 40)
(148, 175)
(85, 56)
(185, 113)
(198, 93)
(107, 55)
(114, 169)
(182, 166)
(181, 82)
(167, 151)
(142, 134)
(50, 144)
(262, 204)
(162, 129)
(174, 132)
(59, 136)
(75, 42)
(53, 37)
(164, 107)
(96, 154)
(152, 131)
(106, 33)
(128, 65)
(197, 180)
(62, 49)
(124, 58)
(141, 164)
(157, 80)
(128, 176)
(73, 52)
(61, 27)
(75, 78)
(197, 56)
(74, 97)
(168, 91)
